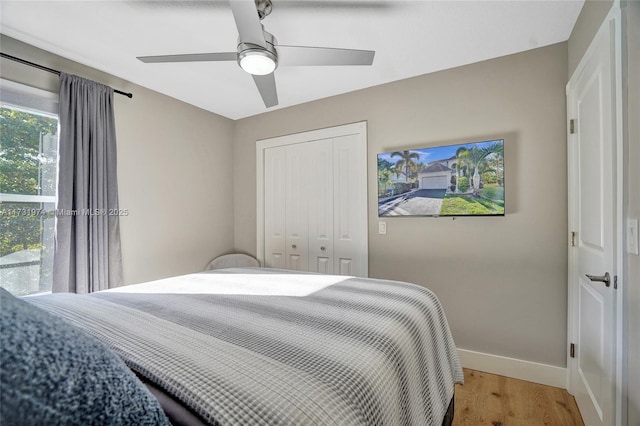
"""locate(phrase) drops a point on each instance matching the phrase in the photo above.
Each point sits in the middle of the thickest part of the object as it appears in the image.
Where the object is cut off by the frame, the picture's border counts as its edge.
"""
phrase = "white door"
(590, 95)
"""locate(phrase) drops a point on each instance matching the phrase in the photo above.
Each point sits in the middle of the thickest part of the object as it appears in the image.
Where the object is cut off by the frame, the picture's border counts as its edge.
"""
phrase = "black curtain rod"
(51, 70)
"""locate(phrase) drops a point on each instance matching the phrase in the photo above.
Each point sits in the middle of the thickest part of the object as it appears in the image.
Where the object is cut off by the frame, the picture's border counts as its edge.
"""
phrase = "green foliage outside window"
(27, 166)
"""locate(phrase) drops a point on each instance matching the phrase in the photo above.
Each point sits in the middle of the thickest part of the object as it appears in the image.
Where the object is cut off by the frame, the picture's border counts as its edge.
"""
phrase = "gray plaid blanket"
(271, 347)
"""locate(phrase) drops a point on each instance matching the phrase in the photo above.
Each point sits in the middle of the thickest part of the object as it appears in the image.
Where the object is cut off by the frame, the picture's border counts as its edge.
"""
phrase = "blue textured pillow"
(52, 373)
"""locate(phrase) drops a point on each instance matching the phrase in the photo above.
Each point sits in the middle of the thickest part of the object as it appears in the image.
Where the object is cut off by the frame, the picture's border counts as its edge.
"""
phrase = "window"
(28, 173)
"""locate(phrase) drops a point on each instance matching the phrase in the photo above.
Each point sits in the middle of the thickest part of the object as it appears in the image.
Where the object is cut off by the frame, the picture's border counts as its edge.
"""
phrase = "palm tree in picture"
(406, 161)
(384, 180)
(460, 156)
(477, 159)
(495, 157)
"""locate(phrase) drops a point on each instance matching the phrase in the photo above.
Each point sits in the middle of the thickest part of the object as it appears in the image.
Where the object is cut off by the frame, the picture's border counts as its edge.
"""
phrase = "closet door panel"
(320, 202)
(350, 221)
(274, 207)
(345, 266)
(296, 211)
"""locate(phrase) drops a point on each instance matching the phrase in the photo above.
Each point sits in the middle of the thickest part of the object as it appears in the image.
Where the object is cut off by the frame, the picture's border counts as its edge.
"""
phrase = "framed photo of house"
(449, 180)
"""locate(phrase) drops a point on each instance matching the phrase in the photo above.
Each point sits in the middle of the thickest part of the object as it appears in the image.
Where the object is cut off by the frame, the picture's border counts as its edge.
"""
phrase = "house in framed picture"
(343, 146)
(435, 176)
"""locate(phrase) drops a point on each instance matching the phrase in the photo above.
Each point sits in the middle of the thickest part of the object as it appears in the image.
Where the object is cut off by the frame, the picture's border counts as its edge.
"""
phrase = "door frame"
(613, 23)
(359, 129)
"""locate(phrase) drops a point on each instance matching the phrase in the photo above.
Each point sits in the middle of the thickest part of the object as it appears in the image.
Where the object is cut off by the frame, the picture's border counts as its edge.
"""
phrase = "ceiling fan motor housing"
(269, 51)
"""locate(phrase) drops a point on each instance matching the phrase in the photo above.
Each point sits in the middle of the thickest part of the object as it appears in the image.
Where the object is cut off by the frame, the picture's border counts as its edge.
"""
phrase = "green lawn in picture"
(469, 205)
(493, 192)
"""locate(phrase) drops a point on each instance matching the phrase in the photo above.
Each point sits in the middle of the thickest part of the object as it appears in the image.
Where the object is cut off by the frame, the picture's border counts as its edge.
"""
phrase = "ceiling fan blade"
(248, 22)
(301, 56)
(191, 57)
(267, 88)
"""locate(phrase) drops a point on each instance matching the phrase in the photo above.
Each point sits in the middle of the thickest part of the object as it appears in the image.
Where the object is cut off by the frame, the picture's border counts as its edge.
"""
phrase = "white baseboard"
(516, 368)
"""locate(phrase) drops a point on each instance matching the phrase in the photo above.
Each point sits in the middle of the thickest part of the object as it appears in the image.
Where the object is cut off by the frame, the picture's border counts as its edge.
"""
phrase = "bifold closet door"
(286, 192)
(315, 206)
(299, 207)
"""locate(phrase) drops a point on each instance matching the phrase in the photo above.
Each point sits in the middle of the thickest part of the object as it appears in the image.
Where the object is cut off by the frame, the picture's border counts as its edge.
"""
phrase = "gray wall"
(502, 280)
(591, 16)
(172, 159)
(632, 26)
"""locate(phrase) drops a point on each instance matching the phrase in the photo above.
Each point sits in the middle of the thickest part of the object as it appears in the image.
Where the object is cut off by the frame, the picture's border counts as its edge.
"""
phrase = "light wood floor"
(487, 399)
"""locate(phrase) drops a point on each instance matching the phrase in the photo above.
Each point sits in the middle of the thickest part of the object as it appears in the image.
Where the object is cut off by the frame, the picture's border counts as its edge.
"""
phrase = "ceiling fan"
(259, 54)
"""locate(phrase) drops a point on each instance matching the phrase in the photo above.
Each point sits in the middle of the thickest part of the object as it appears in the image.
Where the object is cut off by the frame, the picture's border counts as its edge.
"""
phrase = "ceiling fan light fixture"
(257, 61)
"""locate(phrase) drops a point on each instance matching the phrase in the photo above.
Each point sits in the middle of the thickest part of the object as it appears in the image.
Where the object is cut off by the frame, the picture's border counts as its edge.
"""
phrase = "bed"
(246, 346)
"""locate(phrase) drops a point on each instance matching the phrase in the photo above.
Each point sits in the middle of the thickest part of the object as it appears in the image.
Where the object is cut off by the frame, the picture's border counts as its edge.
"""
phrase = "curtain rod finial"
(128, 95)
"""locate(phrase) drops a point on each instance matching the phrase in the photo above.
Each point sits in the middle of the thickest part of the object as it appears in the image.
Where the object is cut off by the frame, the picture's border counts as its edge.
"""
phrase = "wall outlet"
(632, 236)
(382, 228)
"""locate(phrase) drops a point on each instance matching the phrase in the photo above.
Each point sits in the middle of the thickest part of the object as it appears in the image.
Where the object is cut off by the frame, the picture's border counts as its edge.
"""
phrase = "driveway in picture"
(422, 202)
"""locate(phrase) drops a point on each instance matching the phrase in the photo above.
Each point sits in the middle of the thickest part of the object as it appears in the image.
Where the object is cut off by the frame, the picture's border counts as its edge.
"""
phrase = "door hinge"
(573, 238)
(615, 282)
(572, 126)
(572, 350)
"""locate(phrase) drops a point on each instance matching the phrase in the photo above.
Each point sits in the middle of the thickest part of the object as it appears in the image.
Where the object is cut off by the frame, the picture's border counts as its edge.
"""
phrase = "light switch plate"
(382, 228)
(632, 236)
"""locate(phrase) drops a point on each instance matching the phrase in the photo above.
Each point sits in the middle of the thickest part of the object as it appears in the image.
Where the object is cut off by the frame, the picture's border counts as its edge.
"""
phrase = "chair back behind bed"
(234, 260)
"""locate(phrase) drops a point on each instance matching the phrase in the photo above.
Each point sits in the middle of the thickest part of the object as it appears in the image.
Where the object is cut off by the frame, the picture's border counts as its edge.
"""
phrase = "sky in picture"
(428, 155)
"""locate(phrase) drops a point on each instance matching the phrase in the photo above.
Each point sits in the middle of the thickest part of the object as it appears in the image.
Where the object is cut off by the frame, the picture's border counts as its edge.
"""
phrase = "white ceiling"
(410, 38)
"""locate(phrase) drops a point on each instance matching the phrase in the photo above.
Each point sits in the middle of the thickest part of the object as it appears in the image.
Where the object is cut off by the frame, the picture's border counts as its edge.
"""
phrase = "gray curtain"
(87, 253)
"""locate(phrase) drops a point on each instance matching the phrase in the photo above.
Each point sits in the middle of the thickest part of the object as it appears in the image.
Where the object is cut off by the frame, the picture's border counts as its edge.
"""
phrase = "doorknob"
(323, 248)
(606, 279)
(293, 246)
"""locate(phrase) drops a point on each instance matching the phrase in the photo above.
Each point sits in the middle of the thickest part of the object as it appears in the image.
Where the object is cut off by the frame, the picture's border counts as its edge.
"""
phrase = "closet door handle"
(293, 246)
(323, 248)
